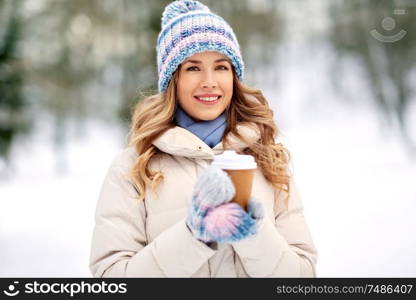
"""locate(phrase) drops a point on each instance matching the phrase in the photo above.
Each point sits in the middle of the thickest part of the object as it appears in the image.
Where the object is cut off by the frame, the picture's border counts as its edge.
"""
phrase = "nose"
(208, 80)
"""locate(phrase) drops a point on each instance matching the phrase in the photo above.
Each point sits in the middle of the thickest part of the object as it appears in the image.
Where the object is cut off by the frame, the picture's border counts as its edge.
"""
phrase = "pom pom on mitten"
(229, 222)
(213, 188)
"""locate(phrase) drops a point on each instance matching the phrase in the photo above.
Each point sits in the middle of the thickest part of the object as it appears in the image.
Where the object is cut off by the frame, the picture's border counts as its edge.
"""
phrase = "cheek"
(182, 90)
(186, 86)
(227, 85)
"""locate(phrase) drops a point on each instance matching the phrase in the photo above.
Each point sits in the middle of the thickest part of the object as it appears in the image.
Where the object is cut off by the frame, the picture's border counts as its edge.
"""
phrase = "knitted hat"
(189, 27)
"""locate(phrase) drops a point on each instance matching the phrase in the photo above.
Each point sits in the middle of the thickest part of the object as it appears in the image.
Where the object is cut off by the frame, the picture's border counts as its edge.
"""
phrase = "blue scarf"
(210, 132)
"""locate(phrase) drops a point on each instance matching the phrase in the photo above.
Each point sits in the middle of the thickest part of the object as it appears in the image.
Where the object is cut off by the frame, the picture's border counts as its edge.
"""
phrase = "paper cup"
(241, 169)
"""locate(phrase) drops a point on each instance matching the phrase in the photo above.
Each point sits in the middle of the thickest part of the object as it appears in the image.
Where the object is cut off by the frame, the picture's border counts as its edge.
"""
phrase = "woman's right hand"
(212, 189)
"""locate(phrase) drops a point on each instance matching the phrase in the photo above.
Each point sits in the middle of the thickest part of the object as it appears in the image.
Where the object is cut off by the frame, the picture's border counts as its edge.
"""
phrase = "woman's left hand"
(229, 222)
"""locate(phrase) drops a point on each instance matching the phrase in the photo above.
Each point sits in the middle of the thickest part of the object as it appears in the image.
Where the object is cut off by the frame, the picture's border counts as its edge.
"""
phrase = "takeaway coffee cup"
(241, 169)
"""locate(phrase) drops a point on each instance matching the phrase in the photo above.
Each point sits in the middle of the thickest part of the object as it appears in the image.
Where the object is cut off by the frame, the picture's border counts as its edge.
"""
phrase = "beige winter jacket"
(150, 239)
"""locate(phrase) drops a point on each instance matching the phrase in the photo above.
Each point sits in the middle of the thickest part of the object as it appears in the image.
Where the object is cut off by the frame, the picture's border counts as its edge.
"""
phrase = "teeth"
(208, 98)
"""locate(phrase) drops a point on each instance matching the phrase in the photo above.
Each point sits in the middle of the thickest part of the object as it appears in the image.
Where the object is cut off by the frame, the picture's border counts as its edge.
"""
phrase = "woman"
(163, 210)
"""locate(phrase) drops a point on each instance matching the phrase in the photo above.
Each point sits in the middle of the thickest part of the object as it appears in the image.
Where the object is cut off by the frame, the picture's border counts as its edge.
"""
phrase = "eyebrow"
(199, 62)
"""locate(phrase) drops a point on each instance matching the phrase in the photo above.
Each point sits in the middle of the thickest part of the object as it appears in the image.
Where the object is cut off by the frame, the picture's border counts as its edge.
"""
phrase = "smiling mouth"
(208, 99)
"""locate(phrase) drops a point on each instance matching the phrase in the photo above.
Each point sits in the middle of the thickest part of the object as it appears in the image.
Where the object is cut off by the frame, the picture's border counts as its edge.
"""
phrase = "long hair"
(154, 115)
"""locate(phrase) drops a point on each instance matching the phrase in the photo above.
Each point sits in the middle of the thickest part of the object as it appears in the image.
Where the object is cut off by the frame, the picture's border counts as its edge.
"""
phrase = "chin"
(207, 117)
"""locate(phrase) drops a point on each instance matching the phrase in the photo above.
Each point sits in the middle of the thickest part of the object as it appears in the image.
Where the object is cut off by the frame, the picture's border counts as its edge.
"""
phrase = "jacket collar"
(181, 142)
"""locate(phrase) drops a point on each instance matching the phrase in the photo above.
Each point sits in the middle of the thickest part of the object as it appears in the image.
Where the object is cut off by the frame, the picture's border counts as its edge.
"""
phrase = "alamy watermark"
(389, 24)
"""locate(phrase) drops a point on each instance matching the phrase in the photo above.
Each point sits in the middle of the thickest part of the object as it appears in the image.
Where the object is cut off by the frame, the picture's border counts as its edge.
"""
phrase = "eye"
(193, 68)
(222, 67)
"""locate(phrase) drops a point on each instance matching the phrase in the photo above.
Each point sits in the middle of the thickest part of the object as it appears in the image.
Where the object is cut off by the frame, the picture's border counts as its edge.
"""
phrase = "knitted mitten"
(255, 209)
(213, 188)
(229, 222)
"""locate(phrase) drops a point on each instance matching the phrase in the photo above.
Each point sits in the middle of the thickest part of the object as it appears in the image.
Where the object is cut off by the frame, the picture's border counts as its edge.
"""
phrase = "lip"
(208, 102)
(208, 95)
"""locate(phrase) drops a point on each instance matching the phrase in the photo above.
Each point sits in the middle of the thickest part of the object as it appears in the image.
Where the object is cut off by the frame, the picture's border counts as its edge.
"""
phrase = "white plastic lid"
(230, 160)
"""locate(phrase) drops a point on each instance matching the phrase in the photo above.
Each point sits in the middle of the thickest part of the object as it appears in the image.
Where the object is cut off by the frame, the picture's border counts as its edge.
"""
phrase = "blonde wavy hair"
(154, 115)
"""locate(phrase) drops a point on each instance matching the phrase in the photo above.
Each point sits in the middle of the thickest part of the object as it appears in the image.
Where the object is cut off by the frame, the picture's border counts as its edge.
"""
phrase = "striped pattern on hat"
(189, 27)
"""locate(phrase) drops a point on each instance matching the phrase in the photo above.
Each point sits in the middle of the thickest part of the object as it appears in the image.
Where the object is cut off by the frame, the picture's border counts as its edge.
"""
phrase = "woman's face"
(205, 85)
